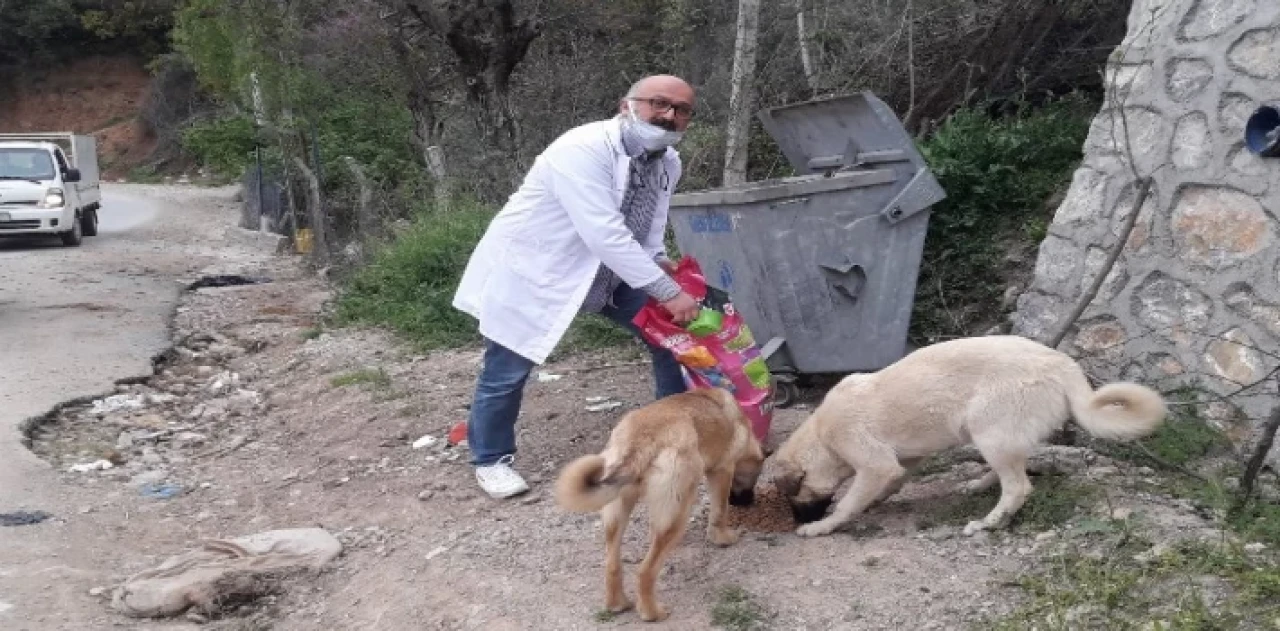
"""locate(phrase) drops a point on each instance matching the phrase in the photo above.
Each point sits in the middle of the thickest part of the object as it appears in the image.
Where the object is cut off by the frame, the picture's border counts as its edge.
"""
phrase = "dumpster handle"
(798, 200)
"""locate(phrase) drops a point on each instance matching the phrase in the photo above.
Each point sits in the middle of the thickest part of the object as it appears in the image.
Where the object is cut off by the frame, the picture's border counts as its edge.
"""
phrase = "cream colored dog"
(1003, 394)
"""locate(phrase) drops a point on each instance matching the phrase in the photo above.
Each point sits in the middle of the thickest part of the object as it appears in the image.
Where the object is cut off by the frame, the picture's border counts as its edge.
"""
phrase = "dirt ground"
(94, 95)
(272, 420)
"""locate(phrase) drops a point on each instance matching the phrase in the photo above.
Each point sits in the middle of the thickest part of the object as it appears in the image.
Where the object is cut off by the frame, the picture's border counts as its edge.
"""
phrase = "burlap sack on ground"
(223, 572)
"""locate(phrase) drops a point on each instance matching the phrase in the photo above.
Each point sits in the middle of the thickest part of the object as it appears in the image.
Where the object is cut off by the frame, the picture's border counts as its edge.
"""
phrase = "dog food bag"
(716, 350)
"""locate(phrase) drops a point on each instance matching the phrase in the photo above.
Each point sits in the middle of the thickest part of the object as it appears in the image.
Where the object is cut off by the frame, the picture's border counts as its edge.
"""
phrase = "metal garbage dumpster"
(822, 265)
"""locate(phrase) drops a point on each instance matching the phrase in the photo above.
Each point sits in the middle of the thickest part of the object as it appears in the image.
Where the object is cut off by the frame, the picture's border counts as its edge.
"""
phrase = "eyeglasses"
(662, 106)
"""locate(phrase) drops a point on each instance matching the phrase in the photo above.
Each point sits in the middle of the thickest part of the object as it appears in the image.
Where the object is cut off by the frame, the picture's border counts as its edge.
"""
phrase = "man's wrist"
(663, 289)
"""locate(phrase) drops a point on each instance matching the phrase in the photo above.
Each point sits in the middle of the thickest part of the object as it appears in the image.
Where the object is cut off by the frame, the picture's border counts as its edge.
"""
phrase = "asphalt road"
(73, 321)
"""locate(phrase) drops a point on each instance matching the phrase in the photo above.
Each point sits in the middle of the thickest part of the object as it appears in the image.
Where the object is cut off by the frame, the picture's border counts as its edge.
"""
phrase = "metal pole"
(315, 152)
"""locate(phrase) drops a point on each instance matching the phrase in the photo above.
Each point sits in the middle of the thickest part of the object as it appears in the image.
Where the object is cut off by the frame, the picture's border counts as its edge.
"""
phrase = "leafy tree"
(29, 27)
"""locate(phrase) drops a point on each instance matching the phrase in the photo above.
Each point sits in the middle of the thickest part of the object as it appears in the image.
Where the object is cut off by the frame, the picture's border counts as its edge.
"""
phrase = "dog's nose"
(742, 498)
(810, 511)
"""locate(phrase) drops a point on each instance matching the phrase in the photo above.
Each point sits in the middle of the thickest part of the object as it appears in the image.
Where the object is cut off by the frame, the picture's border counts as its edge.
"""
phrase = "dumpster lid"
(824, 135)
(784, 190)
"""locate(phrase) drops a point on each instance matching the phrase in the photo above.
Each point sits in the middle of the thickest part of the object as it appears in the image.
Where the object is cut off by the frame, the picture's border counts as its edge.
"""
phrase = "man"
(584, 233)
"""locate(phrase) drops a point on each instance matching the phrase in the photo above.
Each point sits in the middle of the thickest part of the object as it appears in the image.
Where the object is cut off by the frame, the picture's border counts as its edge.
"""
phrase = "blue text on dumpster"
(726, 275)
(711, 222)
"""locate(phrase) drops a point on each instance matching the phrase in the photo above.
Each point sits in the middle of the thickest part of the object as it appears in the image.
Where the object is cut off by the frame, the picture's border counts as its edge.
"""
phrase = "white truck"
(49, 185)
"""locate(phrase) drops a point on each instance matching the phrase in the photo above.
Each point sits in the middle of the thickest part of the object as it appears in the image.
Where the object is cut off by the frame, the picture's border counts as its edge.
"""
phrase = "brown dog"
(659, 453)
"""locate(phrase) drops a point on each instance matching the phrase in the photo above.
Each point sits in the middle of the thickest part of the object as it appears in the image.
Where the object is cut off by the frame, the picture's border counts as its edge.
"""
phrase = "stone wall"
(1195, 296)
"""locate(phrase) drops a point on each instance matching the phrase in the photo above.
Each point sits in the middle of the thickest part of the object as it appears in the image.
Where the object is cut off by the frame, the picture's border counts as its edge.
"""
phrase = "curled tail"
(584, 486)
(1117, 411)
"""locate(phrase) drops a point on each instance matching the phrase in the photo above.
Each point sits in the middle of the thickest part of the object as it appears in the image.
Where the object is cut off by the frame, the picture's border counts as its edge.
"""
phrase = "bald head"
(660, 82)
(664, 100)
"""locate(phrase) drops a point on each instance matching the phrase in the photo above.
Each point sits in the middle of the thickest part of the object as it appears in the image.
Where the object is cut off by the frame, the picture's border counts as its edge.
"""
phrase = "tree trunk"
(488, 43)
(806, 57)
(427, 124)
(440, 177)
(320, 240)
(364, 211)
(744, 70)
(428, 129)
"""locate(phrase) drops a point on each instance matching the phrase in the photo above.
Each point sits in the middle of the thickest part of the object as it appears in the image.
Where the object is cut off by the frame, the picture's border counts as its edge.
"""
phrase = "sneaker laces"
(500, 472)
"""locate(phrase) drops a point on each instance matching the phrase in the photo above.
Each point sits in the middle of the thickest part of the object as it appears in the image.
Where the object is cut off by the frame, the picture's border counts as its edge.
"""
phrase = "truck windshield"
(25, 164)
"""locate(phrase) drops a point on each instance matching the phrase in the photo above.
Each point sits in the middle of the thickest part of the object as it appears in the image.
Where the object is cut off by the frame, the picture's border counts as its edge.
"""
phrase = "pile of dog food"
(769, 513)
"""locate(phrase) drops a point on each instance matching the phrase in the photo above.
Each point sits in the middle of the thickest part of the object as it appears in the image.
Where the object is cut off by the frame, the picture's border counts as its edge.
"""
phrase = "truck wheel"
(74, 236)
(89, 223)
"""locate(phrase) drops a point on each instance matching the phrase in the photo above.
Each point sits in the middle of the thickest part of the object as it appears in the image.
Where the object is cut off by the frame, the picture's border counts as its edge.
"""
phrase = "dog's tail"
(1117, 411)
(586, 485)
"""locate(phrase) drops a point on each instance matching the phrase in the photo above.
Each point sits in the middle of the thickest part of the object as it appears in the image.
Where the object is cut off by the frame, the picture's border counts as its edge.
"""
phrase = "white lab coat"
(528, 276)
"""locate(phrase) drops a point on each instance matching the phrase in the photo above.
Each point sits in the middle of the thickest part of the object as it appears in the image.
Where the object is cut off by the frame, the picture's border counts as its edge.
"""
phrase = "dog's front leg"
(868, 485)
(718, 530)
(1010, 468)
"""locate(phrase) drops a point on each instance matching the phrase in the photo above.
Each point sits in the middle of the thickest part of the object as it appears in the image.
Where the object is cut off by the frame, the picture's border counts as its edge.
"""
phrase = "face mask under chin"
(653, 137)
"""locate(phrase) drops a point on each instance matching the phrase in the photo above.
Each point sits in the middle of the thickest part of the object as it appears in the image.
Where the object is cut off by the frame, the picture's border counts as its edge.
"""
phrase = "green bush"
(998, 174)
(374, 130)
(224, 144)
(1185, 438)
(409, 286)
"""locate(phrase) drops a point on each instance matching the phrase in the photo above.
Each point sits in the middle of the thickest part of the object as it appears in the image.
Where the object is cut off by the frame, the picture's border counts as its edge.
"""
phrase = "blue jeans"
(491, 428)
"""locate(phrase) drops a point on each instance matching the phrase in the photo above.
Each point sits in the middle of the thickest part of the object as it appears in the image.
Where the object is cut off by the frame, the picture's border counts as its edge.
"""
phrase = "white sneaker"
(499, 480)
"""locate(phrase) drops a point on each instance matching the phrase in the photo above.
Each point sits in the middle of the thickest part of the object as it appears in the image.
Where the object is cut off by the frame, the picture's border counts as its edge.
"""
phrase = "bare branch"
(1260, 452)
(911, 56)
(1144, 188)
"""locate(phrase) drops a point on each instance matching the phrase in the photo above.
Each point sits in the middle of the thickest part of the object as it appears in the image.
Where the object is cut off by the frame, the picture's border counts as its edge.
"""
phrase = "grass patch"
(409, 286)
(604, 616)
(1184, 438)
(1259, 521)
(144, 175)
(1188, 441)
(1124, 583)
(375, 377)
(945, 461)
(1215, 497)
(311, 333)
(591, 332)
(1190, 586)
(1054, 500)
(737, 611)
